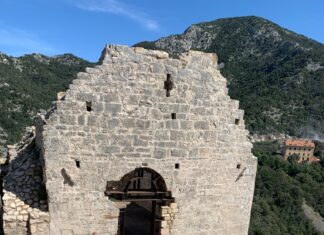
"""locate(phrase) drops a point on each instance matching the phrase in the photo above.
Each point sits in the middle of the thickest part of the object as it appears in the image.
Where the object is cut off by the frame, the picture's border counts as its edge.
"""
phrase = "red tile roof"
(299, 143)
(313, 159)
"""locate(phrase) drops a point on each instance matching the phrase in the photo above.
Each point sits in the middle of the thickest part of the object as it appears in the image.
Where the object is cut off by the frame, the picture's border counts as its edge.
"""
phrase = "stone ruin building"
(141, 144)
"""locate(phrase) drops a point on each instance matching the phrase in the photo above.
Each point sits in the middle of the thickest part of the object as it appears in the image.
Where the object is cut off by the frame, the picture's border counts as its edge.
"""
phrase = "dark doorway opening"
(144, 192)
(137, 219)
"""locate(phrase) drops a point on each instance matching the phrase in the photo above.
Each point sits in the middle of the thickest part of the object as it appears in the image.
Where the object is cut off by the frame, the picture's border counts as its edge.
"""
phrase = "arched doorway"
(143, 192)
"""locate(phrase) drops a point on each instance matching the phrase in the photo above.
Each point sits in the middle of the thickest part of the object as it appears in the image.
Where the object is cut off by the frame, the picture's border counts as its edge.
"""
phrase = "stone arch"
(157, 181)
(143, 199)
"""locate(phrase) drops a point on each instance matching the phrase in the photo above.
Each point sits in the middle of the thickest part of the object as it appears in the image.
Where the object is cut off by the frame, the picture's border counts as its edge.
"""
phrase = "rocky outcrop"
(3, 155)
(195, 37)
(3, 135)
(270, 137)
(316, 219)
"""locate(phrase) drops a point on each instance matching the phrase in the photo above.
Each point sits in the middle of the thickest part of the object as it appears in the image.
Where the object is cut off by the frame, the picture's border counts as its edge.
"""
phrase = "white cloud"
(17, 42)
(118, 8)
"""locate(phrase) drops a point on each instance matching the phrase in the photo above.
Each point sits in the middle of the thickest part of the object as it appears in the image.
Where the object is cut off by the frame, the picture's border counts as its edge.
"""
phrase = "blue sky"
(83, 27)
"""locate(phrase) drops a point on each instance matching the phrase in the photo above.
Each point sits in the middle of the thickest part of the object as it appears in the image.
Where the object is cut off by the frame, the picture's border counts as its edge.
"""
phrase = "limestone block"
(20, 218)
(67, 232)
(175, 210)
(9, 218)
(166, 217)
(165, 231)
(164, 210)
(164, 224)
(33, 228)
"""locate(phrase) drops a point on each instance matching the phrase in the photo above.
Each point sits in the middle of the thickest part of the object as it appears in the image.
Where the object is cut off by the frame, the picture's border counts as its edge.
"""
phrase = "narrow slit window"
(168, 85)
(238, 166)
(89, 106)
(237, 121)
(177, 166)
(173, 115)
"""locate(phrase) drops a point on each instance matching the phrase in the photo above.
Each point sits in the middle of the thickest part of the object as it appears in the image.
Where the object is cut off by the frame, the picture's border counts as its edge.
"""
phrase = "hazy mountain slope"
(28, 84)
(277, 75)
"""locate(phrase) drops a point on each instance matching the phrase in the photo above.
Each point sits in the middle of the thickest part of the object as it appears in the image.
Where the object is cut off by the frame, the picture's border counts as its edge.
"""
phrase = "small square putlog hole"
(237, 121)
(177, 166)
(89, 106)
(77, 163)
(173, 115)
(238, 166)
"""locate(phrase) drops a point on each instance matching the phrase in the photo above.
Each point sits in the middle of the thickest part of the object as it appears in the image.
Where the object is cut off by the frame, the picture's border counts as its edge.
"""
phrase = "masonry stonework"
(24, 199)
(124, 115)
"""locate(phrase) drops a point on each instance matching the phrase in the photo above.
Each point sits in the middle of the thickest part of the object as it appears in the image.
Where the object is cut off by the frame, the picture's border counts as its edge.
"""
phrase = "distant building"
(304, 149)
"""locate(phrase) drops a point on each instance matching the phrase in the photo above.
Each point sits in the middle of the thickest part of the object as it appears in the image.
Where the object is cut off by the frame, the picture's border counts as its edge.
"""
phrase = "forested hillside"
(280, 190)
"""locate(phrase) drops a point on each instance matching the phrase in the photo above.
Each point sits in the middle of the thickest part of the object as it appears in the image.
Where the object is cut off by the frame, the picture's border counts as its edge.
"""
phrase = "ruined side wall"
(24, 195)
(130, 126)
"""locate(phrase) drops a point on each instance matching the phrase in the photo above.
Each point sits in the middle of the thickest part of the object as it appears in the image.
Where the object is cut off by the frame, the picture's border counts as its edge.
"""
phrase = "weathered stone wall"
(24, 195)
(130, 126)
